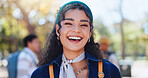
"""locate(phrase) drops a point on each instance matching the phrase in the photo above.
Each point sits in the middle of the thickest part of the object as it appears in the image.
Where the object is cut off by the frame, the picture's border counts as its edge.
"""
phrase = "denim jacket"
(109, 70)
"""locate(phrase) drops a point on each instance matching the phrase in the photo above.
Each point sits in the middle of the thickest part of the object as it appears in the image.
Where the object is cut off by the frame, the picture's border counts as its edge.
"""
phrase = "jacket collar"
(59, 58)
(90, 57)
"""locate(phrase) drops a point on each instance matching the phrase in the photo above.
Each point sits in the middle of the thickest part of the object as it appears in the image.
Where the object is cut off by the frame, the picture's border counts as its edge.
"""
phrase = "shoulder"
(111, 69)
(23, 55)
(41, 72)
(109, 64)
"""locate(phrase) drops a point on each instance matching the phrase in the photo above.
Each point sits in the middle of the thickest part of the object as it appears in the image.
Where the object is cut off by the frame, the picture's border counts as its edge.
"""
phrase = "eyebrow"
(73, 20)
(84, 21)
(69, 19)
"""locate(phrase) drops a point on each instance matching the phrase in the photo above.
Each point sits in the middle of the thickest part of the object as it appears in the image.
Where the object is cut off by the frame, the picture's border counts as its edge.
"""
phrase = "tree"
(21, 17)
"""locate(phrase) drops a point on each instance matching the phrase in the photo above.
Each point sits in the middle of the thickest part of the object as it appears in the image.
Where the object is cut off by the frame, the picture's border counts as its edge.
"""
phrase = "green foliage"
(15, 17)
(100, 30)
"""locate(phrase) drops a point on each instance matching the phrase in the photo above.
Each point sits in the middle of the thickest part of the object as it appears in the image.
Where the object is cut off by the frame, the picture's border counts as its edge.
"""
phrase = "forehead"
(76, 14)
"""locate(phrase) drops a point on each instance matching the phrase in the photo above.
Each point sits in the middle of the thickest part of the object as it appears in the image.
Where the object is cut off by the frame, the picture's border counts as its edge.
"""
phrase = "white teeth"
(78, 38)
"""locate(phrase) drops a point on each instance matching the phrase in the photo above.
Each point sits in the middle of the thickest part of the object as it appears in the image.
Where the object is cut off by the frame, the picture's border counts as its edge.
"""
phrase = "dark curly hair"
(53, 46)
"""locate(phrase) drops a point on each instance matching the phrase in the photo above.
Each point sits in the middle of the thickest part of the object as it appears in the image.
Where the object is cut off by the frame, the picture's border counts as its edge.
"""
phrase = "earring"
(88, 40)
(58, 38)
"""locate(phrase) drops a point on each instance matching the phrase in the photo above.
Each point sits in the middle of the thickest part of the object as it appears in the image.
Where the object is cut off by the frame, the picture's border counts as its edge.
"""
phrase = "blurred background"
(123, 22)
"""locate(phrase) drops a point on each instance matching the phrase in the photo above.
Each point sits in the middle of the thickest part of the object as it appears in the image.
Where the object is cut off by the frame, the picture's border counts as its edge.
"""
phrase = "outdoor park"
(123, 22)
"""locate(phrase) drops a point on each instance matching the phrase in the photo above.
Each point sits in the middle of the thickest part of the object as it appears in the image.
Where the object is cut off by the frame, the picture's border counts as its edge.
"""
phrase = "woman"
(70, 47)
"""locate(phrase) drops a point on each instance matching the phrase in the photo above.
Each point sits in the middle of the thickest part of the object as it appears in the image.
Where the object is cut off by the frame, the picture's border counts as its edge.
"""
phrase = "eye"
(68, 24)
(85, 25)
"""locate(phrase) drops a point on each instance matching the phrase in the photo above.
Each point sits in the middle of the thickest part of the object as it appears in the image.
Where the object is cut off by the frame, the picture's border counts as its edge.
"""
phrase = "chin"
(76, 49)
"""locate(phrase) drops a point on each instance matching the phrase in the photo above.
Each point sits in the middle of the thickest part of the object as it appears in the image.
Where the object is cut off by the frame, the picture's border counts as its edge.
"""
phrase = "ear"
(28, 44)
(89, 34)
(57, 27)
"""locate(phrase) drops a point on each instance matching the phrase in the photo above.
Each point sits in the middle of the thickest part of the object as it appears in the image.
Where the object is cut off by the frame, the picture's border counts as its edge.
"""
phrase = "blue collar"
(90, 57)
(59, 58)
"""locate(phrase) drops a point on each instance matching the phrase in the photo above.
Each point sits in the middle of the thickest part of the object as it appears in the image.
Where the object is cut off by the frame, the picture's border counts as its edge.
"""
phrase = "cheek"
(87, 33)
(64, 31)
(36, 45)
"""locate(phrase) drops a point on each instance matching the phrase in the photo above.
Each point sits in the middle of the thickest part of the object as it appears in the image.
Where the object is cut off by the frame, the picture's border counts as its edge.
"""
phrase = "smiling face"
(74, 31)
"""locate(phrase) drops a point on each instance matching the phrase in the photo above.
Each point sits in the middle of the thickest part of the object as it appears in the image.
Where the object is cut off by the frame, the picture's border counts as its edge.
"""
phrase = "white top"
(113, 59)
(27, 61)
(66, 70)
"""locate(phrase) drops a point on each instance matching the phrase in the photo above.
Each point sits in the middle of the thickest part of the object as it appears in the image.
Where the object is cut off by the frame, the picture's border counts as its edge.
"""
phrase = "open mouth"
(74, 38)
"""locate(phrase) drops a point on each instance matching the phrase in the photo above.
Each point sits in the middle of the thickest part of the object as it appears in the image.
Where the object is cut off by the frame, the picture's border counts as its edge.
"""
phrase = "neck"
(32, 50)
(72, 54)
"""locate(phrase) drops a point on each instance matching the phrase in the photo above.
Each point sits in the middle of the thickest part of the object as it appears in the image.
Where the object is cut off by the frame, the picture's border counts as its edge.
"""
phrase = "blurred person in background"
(27, 59)
(104, 47)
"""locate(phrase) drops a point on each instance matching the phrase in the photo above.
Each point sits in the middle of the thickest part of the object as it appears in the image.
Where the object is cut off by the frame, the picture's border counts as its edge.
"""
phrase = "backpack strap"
(51, 73)
(100, 69)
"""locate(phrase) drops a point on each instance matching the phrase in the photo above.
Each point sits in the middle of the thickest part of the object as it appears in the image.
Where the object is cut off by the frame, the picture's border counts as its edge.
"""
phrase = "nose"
(77, 29)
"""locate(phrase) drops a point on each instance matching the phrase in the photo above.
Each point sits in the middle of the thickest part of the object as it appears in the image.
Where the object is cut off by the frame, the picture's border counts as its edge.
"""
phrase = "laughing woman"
(70, 50)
